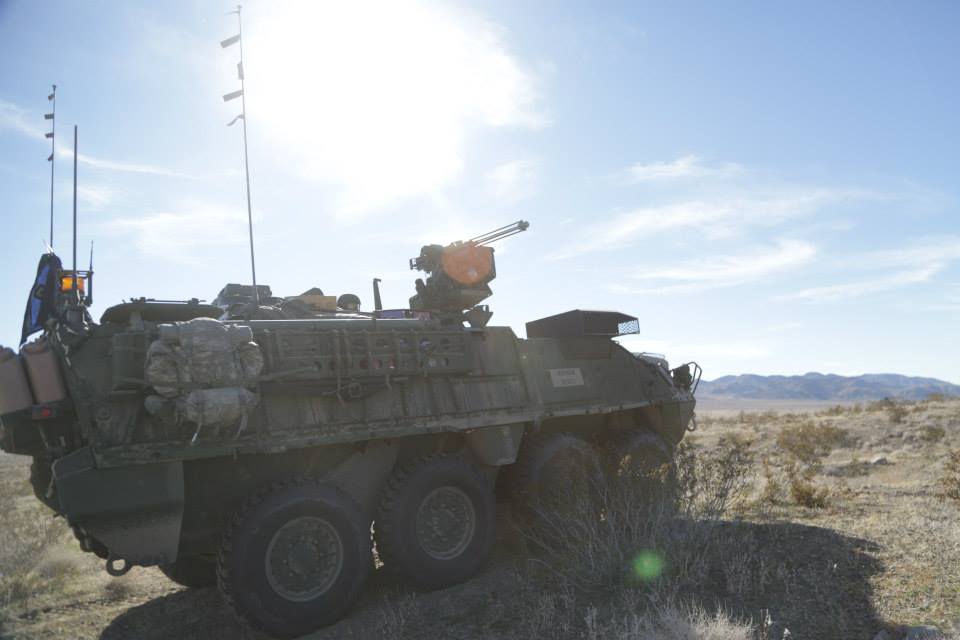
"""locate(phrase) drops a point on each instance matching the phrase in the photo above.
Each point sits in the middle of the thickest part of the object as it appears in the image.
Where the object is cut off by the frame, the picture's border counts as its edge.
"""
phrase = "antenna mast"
(52, 116)
(246, 159)
(74, 278)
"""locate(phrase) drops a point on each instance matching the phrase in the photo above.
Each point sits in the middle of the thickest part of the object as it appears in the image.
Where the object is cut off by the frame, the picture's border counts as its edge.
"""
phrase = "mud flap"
(135, 511)
(496, 446)
(363, 475)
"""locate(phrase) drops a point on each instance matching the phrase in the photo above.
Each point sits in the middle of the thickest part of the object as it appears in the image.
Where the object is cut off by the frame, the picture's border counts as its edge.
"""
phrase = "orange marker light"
(66, 283)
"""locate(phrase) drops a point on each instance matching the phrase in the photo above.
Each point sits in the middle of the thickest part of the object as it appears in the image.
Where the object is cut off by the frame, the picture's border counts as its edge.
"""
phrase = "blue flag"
(41, 305)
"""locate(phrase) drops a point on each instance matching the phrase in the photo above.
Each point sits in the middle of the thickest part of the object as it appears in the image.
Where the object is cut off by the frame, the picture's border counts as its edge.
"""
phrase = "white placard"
(567, 377)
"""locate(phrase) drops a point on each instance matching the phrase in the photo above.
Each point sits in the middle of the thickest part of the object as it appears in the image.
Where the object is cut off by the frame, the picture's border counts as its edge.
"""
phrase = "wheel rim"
(304, 558)
(446, 523)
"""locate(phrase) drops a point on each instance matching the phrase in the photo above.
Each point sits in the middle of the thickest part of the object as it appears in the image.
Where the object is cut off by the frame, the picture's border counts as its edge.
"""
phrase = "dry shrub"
(747, 418)
(856, 467)
(762, 417)
(809, 441)
(619, 533)
(896, 411)
(709, 483)
(669, 623)
(26, 563)
(950, 480)
(805, 493)
(58, 562)
(121, 588)
(793, 481)
(932, 433)
(558, 616)
(546, 613)
(836, 410)
(841, 409)
(773, 485)
(399, 615)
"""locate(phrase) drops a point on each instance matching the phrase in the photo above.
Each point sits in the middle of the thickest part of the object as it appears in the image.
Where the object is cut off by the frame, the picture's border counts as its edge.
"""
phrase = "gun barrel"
(498, 234)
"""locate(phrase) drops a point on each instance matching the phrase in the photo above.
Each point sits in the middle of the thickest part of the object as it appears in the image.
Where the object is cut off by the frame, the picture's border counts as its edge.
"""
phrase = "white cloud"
(95, 196)
(913, 264)
(721, 216)
(111, 165)
(860, 288)
(378, 99)
(512, 181)
(14, 118)
(184, 235)
(723, 270)
(783, 327)
(921, 251)
(19, 120)
(689, 166)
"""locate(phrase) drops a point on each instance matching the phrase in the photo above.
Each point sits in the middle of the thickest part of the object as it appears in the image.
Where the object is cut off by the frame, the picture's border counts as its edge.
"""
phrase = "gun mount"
(459, 274)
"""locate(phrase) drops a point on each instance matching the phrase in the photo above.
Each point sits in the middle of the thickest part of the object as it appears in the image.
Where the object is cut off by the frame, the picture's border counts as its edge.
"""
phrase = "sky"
(770, 188)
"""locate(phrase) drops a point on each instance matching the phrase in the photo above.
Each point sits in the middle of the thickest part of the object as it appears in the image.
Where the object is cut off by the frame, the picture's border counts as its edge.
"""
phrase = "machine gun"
(459, 274)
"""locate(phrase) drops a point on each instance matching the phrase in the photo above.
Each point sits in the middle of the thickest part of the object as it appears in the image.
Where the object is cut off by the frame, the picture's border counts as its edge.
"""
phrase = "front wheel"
(436, 521)
(295, 559)
(644, 458)
(555, 474)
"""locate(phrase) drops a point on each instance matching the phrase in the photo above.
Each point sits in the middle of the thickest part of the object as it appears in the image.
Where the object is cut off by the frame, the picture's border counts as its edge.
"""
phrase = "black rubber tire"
(648, 458)
(195, 572)
(241, 563)
(553, 462)
(395, 528)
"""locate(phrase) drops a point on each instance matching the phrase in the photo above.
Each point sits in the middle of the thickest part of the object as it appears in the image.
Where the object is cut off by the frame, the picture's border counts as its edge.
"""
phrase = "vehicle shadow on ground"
(814, 581)
(811, 580)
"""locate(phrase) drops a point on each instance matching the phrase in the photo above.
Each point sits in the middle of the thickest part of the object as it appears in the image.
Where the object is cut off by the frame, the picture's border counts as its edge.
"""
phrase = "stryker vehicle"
(254, 443)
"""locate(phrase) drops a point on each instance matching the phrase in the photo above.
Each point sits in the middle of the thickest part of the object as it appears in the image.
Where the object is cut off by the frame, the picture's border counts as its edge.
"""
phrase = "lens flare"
(647, 565)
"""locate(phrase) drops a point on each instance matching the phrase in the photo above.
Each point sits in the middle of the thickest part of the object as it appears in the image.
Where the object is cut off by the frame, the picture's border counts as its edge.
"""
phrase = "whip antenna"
(74, 278)
(237, 39)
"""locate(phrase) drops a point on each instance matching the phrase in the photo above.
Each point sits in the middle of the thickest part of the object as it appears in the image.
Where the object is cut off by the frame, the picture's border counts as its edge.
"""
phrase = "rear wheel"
(295, 559)
(194, 572)
(436, 521)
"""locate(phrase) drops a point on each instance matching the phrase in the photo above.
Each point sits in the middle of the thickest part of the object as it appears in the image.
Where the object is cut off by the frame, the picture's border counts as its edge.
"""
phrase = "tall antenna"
(75, 212)
(52, 116)
(246, 159)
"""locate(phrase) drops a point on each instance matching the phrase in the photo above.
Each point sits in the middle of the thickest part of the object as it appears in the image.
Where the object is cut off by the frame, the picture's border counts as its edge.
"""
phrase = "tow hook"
(116, 571)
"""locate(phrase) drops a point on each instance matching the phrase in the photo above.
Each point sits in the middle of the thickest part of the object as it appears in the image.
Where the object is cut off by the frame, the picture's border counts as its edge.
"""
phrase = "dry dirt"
(883, 550)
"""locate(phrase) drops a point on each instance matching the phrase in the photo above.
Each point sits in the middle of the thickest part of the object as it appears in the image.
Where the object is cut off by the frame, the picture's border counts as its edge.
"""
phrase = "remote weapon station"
(252, 444)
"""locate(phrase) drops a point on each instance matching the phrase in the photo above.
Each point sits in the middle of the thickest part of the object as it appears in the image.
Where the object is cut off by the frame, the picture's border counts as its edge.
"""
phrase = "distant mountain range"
(819, 386)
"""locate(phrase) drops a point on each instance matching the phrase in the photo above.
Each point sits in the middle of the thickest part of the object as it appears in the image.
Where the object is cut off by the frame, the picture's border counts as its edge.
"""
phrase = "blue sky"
(770, 187)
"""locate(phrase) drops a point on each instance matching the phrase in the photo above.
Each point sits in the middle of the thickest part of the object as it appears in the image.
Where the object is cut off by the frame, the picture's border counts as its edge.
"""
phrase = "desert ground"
(790, 522)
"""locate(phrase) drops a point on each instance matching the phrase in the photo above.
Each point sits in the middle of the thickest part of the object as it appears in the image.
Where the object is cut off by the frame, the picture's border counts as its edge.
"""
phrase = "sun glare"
(378, 100)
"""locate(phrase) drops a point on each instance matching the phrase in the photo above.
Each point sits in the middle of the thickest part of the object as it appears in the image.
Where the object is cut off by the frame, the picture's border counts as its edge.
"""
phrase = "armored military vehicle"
(256, 442)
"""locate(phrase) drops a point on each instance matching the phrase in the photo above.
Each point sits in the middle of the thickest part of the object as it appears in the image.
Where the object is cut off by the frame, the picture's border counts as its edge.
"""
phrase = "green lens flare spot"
(647, 565)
